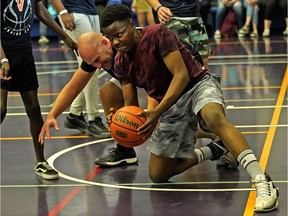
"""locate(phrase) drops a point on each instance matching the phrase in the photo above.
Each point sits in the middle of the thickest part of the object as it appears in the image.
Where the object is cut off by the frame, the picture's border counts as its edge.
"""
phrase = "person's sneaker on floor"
(244, 30)
(217, 34)
(76, 122)
(227, 161)
(97, 129)
(254, 34)
(45, 171)
(266, 33)
(217, 148)
(115, 157)
(43, 40)
(266, 194)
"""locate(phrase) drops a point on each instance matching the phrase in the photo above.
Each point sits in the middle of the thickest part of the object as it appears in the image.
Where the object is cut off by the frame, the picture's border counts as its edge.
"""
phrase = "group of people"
(251, 8)
(163, 59)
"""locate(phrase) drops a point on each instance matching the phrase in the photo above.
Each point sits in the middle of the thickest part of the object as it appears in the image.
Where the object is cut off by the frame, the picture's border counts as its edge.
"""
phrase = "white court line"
(52, 158)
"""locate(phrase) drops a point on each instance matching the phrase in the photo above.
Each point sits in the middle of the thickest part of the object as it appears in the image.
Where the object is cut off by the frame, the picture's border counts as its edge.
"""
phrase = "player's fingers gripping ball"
(124, 125)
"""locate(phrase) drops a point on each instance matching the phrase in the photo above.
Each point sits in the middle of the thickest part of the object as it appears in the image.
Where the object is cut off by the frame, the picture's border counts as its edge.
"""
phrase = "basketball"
(124, 125)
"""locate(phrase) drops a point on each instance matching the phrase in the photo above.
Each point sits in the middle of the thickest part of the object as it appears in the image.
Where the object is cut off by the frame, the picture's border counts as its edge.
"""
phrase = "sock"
(250, 163)
(203, 154)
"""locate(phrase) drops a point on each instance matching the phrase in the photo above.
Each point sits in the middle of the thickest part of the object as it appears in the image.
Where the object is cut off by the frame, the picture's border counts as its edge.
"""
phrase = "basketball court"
(254, 81)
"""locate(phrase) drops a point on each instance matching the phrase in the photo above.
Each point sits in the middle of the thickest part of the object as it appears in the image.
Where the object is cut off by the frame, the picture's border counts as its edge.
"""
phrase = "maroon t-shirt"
(145, 68)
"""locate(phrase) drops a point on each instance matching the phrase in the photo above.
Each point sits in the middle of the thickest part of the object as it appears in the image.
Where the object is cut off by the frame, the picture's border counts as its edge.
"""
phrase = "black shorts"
(23, 73)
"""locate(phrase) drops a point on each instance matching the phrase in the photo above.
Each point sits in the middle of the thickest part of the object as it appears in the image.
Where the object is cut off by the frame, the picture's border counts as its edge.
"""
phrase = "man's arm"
(65, 17)
(175, 63)
(5, 67)
(44, 16)
(64, 100)
(164, 14)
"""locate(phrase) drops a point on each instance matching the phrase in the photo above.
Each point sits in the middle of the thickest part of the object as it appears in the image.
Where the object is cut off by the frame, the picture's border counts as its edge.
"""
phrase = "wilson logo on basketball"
(120, 118)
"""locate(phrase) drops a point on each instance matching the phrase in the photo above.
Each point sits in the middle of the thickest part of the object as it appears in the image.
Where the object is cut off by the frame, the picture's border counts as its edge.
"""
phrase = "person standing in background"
(76, 18)
(183, 17)
(43, 28)
(18, 71)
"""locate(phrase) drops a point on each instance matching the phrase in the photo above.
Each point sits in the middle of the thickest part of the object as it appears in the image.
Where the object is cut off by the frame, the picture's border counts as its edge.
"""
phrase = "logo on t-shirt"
(17, 17)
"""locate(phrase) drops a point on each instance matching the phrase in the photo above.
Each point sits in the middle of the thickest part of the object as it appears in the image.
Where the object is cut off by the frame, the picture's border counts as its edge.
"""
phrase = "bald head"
(88, 45)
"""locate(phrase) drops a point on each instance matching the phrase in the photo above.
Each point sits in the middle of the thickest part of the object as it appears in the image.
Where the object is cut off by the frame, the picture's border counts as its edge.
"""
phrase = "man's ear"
(105, 42)
(131, 23)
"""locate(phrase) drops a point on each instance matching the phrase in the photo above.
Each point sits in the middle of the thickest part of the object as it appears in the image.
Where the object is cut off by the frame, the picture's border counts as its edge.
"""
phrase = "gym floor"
(254, 82)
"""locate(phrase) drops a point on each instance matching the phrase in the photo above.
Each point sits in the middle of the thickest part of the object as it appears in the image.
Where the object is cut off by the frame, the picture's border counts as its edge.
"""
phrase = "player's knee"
(157, 178)
(215, 120)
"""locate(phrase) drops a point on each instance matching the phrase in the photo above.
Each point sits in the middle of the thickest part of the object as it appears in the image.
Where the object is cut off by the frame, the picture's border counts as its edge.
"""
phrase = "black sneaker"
(117, 158)
(218, 148)
(227, 161)
(45, 171)
(76, 122)
(97, 129)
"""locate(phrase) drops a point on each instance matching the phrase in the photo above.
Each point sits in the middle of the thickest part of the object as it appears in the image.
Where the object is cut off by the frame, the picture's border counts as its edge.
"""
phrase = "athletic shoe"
(97, 129)
(266, 33)
(45, 171)
(217, 148)
(244, 30)
(266, 194)
(285, 33)
(43, 40)
(76, 122)
(254, 34)
(116, 157)
(227, 161)
(217, 34)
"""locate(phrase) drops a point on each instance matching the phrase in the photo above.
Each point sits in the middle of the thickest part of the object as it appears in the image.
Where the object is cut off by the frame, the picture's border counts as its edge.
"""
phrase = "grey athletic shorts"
(175, 136)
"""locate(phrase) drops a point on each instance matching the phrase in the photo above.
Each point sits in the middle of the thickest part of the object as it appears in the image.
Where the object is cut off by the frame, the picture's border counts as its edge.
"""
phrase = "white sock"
(203, 154)
(250, 163)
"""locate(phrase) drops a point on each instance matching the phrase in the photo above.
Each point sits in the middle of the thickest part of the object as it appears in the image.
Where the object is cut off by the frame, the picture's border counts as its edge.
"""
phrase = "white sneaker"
(266, 33)
(285, 33)
(43, 40)
(266, 194)
(217, 34)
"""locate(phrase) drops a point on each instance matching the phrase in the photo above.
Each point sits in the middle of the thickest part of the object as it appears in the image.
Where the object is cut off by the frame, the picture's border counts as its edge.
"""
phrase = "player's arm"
(65, 17)
(64, 100)
(130, 95)
(44, 16)
(175, 63)
(163, 13)
(151, 103)
(5, 67)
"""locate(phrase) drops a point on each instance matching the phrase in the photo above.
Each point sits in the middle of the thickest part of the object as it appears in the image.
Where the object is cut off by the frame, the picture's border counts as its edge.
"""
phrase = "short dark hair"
(113, 13)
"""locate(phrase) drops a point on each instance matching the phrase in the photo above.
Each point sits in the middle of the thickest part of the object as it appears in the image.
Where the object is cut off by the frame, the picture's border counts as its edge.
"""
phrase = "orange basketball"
(124, 125)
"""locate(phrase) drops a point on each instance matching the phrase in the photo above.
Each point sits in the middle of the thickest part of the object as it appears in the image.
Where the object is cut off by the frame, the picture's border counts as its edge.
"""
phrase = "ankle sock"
(203, 154)
(250, 163)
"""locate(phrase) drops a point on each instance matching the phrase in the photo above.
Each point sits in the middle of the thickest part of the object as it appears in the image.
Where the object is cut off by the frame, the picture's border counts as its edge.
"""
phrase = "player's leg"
(111, 95)
(33, 111)
(211, 114)
(4, 94)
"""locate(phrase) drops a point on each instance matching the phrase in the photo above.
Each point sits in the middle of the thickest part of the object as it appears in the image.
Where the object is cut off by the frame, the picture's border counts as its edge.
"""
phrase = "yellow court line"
(249, 210)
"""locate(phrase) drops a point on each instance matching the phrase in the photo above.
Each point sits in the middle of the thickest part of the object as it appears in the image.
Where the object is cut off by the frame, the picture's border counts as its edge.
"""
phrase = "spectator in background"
(76, 18)
(143, 12)
(222, 7)
(270, 8)
(251, 15)
(43, 28)
(183, 17)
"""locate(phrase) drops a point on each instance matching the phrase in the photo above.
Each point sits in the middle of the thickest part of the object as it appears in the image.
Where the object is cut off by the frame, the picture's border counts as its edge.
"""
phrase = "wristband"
(63, 12)
(4, 60)
(157, 9)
